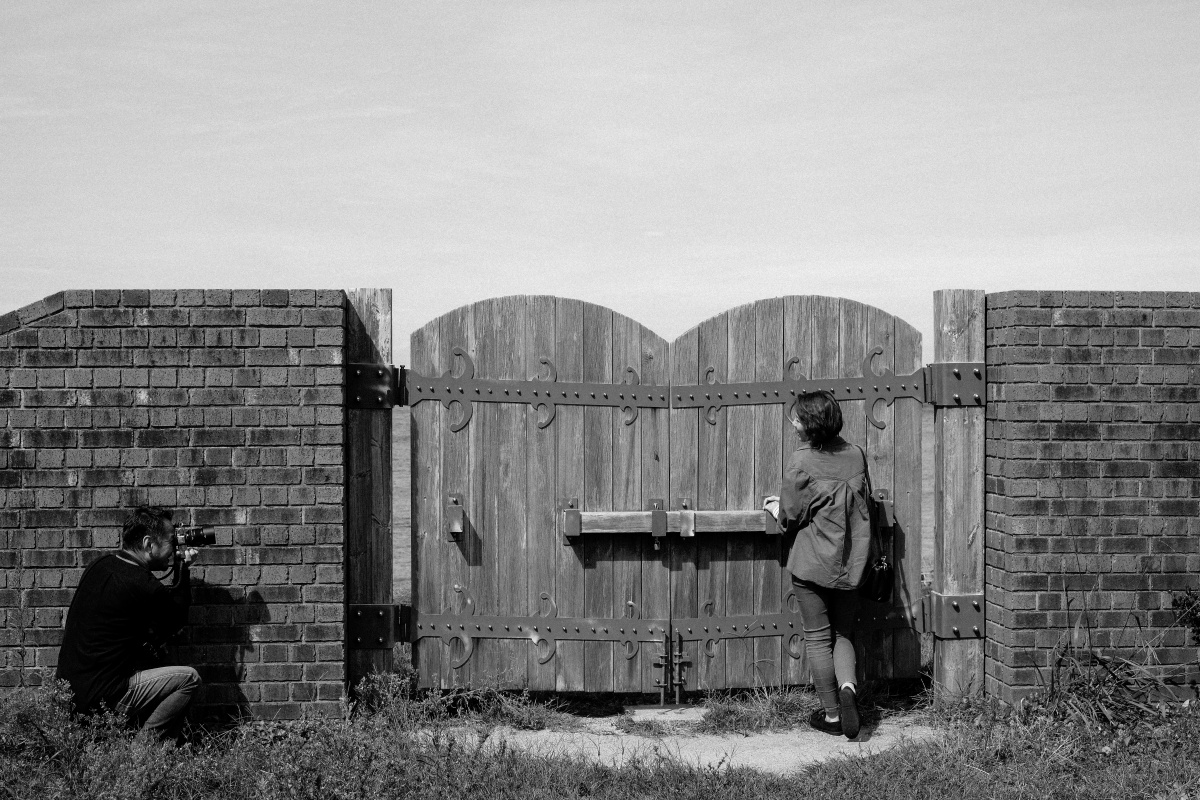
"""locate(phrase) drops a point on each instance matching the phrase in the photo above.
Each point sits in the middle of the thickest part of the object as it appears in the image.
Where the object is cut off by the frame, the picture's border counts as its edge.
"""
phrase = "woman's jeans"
(828, 618)
(157, 699)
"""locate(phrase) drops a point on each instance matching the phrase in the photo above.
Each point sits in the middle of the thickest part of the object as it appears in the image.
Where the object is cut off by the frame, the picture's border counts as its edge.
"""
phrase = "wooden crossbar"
(682, 522)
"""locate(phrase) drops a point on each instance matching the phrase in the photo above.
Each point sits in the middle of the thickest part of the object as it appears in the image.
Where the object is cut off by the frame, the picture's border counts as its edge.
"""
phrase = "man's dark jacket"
(118, 609)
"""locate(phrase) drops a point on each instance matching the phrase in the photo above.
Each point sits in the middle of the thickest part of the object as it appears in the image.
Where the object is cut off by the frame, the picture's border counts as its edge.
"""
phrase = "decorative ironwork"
(547, 629)
(712, 395)
(546, 393)
(953, 384)
(544, 630)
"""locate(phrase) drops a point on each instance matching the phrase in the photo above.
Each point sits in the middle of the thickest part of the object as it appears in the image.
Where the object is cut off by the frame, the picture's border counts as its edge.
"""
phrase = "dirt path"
(779, 753)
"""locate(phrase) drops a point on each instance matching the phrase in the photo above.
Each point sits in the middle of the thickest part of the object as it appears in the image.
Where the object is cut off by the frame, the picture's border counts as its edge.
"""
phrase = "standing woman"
(825, 517)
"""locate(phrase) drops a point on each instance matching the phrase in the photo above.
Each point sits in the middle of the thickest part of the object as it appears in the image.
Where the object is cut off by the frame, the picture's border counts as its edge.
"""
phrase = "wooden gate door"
(729, 452)
(558, 545)
(515, 465)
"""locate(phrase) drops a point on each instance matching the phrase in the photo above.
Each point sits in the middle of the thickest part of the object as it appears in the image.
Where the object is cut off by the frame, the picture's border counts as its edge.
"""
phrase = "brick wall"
(1093, 477)
(227, 406)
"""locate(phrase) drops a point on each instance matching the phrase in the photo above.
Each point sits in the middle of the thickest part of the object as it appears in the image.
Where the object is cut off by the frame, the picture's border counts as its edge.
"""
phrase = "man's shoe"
(849, 702)
(817, 720)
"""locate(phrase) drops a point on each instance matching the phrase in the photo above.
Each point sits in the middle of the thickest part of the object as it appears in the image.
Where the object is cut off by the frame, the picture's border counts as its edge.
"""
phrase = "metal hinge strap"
(945, 385)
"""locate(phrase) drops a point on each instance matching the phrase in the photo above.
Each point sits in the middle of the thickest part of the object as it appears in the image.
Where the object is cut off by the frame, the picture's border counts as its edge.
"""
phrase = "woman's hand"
(771, 506)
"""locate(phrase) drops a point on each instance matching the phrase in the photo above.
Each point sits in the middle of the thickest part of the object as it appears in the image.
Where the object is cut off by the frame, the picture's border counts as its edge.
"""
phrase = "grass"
(1097, 731)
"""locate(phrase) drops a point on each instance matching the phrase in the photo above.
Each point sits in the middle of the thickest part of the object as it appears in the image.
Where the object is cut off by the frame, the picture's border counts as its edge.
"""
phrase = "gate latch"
(371, 626)
(952, 616)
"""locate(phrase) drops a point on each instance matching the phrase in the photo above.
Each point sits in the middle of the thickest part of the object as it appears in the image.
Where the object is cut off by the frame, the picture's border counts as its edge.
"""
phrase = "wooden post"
(368, 464)
(958, 322)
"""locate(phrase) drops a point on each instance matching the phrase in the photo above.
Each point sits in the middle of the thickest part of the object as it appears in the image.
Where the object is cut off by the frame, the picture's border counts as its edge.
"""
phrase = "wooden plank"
(958, 325)
(639, 522)
(880, 447)
(826, 345)
(598, 494)
(511, 458)
(798, 344)
(741, 438)
(461, 561)
(712, 591)
(685, 424)
(852, 347)
(368, 449)
(909, 535)
(543, 543)
(627, 551)
(568, 428)
(426, 429)
(768, 468)
(656, 483)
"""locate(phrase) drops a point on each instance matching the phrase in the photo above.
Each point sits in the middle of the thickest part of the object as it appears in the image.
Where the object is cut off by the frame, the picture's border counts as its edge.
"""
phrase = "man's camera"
(194, 537)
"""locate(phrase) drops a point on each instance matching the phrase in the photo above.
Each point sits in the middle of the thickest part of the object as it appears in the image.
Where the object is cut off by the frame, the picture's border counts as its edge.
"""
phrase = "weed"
(753, 710)
(650, 728)
(1186, 605)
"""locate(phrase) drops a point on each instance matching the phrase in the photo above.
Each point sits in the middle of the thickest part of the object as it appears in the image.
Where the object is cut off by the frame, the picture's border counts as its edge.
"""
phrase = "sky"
(668, 160)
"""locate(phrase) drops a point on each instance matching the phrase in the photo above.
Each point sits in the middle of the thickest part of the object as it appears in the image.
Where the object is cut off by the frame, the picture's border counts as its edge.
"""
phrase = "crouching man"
(120, 618)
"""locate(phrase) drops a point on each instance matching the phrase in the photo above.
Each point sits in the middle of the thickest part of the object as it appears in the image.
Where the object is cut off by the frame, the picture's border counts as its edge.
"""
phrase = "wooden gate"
(586, 497)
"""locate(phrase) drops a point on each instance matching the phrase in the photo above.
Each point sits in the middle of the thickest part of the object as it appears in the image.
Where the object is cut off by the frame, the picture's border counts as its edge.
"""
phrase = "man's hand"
(187, 555)
(771, 506)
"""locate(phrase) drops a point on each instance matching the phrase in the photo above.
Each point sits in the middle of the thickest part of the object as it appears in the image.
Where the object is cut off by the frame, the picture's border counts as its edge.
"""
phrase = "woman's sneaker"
(849, 706)
(818, 721)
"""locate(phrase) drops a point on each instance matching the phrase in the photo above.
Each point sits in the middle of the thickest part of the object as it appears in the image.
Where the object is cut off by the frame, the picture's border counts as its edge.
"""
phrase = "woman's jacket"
(825, 515)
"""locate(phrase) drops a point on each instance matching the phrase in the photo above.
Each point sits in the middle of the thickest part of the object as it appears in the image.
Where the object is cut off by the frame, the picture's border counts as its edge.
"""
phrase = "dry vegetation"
(1098, 731)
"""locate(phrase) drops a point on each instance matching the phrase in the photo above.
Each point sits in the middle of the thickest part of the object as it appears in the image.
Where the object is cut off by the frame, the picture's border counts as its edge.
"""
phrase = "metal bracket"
(570, 523)
(370, 626)
(375, 386)
(886, 515)
(456, 517)
(952, 616)
(957, 384)
(658, 522)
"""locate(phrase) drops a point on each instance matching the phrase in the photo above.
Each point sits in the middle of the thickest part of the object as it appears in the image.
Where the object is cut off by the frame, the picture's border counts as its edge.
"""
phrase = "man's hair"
(821, 417)
(146, 520)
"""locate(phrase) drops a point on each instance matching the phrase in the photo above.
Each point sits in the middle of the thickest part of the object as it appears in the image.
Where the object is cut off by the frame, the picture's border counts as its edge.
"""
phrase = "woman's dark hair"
(145, 520)
(821, 417)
